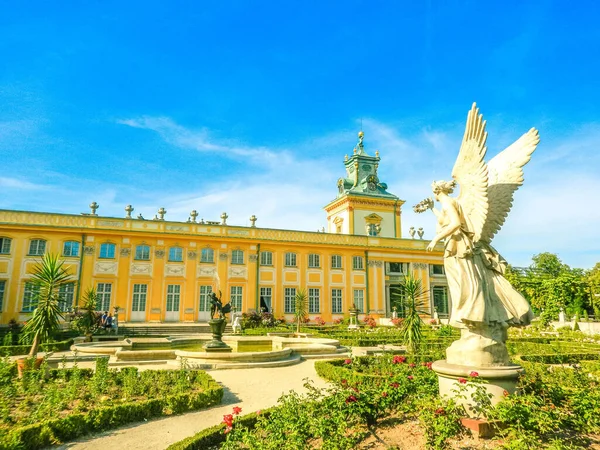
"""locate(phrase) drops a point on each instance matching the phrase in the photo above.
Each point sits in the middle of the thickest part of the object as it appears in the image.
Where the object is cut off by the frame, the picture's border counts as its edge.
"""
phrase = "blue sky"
(249, 107)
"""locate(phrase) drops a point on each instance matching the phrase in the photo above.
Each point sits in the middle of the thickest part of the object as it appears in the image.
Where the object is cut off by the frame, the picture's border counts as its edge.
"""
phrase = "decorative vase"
(217, 327)
(24, 364)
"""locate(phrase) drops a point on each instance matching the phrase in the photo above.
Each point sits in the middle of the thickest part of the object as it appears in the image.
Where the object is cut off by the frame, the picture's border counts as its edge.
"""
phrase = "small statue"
(218, 307)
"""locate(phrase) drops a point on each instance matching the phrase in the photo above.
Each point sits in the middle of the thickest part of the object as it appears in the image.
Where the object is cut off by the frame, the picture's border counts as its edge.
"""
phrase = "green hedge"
(54, 431)
(14, 350)
(213, 437)
(561, 358)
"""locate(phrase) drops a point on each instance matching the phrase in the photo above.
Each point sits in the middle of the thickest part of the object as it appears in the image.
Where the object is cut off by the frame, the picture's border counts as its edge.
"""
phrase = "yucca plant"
(87, 320)
(413, 299)
(47, 277)
(300, 307)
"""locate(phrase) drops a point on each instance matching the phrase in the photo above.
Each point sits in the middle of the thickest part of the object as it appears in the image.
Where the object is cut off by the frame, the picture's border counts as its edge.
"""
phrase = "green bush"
(14, 350)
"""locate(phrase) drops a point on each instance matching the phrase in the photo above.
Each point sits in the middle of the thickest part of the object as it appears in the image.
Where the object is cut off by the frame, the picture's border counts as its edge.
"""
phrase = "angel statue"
(484, 304)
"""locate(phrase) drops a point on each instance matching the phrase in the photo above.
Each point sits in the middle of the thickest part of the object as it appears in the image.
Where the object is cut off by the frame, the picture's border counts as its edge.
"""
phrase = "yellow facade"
(160, 271)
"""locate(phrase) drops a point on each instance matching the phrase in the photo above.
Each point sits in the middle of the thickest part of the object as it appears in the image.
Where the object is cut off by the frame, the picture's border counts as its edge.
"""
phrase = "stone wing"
(470, 172)
(505, 175)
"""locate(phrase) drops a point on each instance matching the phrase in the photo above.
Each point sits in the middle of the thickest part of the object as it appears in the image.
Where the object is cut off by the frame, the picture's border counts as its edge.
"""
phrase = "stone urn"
(353, 319)
(217, 327)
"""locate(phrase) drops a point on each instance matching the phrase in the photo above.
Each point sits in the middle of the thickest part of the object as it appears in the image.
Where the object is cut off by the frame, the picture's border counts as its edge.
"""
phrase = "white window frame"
(37, 247)
(237, 256)
(142, 252)
(66, 296)
(139, 297)
(289, 300)
(70, 248)
(173, 297)
(404, 267)
(432, 270)
(204, 300)
(236, 297)
(314, 261)
(314, 300)
(175, 254)
(2, 292)
(207, 255)
(290, 259)
(266, 293)
(266, 258)
(30, 294)
(433, 305)
(5, 244)
(107, 250)
(336, 261)
(103, 296)
(337, 297)
(358, 297)
(358, 263)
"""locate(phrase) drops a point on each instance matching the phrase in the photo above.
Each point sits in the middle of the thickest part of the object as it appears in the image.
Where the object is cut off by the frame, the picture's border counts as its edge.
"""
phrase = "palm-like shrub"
(413, 300)
(87, 320)
(300, 307)
(47, 278)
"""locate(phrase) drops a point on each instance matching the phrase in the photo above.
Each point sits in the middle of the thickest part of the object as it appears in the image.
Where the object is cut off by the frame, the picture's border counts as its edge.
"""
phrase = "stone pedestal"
(498, 379)
(217, 327)
(353, 320)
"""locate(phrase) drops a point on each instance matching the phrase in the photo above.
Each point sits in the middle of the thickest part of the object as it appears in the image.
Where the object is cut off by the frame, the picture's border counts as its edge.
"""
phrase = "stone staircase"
(166, 329)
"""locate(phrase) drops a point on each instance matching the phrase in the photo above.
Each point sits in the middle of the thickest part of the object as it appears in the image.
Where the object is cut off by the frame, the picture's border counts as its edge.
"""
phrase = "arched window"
(176, 254)
(37, 247)
(107, 250)
(71, 248)
(207, 255)
(5, 245)
(237, 257)
(142, 252)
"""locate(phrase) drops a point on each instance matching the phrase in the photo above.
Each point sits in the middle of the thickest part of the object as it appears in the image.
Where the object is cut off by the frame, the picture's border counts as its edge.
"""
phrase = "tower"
(363, 205)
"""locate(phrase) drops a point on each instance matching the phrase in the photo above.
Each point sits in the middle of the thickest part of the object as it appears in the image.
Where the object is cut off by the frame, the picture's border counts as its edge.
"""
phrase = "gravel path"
(251, 389)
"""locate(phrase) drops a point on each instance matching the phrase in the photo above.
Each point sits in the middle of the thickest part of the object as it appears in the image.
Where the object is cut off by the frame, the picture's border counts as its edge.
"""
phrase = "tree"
(548, 264)
(86, 320)
(413, 299)
(300, 307)
(48, 277)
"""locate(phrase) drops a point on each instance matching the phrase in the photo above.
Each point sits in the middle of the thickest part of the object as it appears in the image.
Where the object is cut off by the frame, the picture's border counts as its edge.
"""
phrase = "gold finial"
(361, 134)
(354, 150)
(346, 158)
(377, 153)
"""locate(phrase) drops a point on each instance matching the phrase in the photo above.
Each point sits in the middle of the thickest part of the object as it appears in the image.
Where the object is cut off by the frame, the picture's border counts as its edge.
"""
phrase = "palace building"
(163, 271)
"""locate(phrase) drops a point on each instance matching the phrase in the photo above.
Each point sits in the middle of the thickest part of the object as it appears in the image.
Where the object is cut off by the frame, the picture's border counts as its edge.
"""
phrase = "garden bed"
(47, 407)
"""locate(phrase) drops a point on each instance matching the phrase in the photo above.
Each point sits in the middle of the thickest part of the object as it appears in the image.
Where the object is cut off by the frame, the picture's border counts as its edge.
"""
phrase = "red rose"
(347, 361)
(351, 399)
(462, 381)
(384, 394)
(394, 385)
(410, 377)
(237, 410)
(474, 374)
(505, 393)
(228, 420)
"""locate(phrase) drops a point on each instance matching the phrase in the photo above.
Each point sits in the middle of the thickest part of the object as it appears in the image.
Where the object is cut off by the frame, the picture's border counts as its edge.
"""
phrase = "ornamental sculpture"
(484, 304)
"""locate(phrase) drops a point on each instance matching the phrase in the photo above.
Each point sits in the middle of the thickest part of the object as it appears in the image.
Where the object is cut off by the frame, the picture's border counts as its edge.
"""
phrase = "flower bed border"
(55, 431)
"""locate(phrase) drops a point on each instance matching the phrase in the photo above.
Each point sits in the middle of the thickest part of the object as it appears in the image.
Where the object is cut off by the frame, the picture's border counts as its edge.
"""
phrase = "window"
(237, 257)
(236, 297)
(314, 261)
(359, 299)
(5, 246)
(71, 248)
(289, 300)
(103, 296)
(398, 298)
(357, 263)
(37, 247)
(66, 294)
(2, 290)
(30, 296)
(373, 229)
(313, 300)
(437, 269)
(205, 292)
(440, 300)
(142, 252)
(396, 267)
(336, 301)
(266, 258)
(336, 262)
(138, 303)
(266, 298)
(290, 259)
(173, 297)
(207, 255)
(107, 250)
(176, 254)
